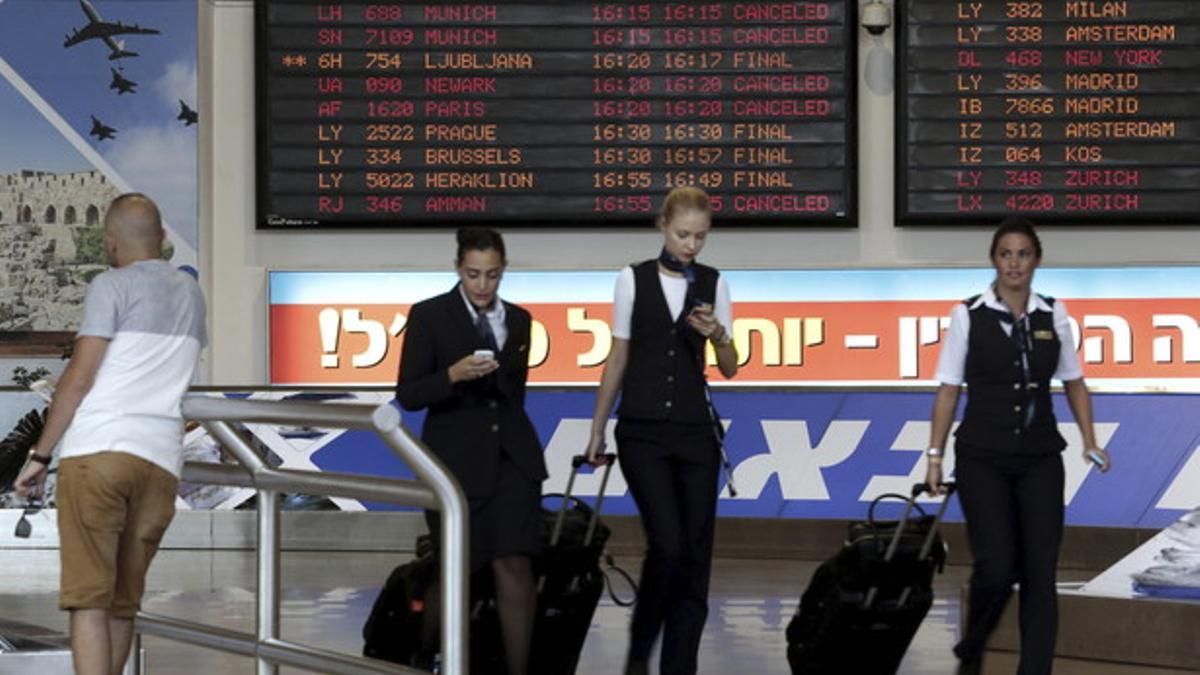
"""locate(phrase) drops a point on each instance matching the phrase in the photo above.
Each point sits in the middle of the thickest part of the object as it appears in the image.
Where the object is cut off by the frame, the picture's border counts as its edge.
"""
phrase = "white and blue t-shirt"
(154, 318)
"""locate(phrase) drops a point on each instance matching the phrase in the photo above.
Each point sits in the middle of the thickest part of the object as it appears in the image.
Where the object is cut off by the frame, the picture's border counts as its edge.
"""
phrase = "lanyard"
(1022, 338)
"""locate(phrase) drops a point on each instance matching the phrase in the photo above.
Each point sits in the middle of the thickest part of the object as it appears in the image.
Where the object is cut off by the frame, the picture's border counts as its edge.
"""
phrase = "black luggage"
(570, 581)
(393, 630)
(863, 606)
(570, 578)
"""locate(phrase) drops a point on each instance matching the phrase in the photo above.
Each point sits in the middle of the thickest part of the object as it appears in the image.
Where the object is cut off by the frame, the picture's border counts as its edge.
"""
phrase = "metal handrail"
(435, 487)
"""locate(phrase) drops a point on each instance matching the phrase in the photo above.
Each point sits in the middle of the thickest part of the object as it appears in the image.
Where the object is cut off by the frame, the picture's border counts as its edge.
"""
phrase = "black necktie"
(484, 326)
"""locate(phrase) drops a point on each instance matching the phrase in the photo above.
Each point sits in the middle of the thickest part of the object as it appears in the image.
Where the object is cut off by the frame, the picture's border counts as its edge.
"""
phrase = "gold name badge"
(1043, 335)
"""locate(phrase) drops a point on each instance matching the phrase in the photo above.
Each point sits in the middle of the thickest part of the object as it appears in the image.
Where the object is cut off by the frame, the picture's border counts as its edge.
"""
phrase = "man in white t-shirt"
(116, 410)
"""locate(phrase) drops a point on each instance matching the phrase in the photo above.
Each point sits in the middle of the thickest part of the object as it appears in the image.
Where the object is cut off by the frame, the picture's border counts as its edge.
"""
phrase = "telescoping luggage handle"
(917, 490)
(911, 503)
(576, 462)
(568, 496)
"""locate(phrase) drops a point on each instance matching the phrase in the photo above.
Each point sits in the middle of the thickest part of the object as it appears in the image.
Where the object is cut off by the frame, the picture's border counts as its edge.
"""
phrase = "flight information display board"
(1068, 112)
(562, 112)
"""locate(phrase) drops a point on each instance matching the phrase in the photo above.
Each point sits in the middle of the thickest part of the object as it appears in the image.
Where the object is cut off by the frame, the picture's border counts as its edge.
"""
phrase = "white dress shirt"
(953, 359)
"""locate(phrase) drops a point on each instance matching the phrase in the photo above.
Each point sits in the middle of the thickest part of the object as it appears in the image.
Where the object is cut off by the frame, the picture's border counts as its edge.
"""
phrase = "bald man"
(116, 411)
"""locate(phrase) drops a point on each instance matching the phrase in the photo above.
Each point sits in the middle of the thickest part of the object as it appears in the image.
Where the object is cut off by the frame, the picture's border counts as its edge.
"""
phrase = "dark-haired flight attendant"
(477, 424)
(1006, 345)
(665, 311)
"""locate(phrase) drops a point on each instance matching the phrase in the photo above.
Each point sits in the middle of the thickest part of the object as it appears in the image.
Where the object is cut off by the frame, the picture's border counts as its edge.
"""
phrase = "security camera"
(876, 17)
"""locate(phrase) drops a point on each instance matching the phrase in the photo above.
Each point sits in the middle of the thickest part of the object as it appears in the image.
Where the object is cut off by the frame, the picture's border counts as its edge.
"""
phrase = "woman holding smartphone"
(465, 359)
(665, 311)
(1006, 344)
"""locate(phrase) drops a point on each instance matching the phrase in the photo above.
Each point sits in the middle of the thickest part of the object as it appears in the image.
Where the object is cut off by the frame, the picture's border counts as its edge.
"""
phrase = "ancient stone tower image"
(52, 243)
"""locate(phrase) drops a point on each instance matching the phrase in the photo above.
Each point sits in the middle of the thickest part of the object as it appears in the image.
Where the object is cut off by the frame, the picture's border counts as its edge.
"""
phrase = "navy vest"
(664, 379)
(998, 396)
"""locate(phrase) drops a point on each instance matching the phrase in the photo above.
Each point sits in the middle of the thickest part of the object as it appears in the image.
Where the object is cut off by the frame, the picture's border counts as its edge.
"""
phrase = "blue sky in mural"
(29, 141)
(153, 151)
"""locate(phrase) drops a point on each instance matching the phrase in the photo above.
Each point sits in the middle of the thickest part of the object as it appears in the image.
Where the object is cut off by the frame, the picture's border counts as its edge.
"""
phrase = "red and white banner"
(1135, 327)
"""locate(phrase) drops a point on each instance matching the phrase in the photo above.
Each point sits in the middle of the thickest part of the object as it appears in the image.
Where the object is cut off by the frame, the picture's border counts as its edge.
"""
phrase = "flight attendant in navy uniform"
(665, 311)
(478, 427)
(1006, 345)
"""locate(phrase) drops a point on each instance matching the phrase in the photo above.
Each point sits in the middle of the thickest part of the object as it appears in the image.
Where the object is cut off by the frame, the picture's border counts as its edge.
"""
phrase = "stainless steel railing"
(435, 488)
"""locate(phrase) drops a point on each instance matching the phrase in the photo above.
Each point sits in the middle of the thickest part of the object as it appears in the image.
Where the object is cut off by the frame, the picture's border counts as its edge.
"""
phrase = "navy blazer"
(470, 422)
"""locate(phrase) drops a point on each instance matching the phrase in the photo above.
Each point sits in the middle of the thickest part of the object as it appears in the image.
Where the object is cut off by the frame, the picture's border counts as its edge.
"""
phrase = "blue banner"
(828, 454)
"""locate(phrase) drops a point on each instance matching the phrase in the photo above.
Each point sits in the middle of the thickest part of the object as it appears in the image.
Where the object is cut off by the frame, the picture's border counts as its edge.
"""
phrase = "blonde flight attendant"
(665, 311)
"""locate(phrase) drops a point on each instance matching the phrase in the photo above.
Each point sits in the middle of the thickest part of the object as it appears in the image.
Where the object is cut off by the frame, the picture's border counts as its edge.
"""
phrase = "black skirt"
(505, 522)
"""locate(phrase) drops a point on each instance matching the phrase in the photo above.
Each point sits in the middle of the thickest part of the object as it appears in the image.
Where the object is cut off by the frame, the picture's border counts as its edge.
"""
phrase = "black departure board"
(554, 113)
(1068, 112)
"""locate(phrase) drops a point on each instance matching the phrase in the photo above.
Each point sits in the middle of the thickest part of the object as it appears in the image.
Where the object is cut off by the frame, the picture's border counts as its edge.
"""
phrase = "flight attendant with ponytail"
(1006, 344)
(665, 312)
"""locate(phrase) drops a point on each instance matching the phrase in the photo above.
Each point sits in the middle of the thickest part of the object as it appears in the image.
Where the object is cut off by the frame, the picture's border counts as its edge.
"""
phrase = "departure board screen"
(557, 113)
(1068, 112)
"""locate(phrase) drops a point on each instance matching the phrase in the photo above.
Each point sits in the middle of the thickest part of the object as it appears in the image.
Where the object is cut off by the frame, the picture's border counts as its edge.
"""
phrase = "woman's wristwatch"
(934, 454)
(720, 339)
(40, 459)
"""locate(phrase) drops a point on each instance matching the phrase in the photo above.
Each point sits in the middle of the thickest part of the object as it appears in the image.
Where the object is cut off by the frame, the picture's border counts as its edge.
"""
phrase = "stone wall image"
(53, 244)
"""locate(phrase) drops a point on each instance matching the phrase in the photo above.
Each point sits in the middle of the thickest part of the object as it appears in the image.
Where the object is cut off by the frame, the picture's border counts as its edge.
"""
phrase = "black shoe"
(970, 666)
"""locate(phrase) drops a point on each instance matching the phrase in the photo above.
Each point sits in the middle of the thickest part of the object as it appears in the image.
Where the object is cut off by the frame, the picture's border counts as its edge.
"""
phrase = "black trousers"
(1014, 512)
(672, 471)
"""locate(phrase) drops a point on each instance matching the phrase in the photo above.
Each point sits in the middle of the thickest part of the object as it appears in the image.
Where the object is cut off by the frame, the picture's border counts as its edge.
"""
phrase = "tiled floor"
(327, 597)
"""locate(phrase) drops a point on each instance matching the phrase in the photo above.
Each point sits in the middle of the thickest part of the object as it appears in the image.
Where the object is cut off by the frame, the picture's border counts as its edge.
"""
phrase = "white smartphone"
(485, 354)
(1096, 458)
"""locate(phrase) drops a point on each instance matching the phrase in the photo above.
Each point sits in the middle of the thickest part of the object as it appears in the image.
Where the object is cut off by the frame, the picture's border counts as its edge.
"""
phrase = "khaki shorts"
(113, 509)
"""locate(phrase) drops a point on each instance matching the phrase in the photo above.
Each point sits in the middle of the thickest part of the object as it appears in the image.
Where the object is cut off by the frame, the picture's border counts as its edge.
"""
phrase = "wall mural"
(97, 98)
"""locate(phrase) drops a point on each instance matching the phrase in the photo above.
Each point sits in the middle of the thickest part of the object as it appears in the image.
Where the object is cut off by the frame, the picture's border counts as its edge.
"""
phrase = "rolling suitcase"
(394, 627)
(570, 581)
(863, 606)
(571, 578)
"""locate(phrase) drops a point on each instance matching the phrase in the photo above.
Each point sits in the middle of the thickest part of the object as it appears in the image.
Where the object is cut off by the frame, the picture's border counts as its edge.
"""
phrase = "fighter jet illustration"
(188, 115)
(100, 130)
(122, 85)
(98, 28)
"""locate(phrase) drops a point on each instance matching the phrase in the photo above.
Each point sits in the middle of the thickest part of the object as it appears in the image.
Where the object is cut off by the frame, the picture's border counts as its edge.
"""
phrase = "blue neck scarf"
(676, 265)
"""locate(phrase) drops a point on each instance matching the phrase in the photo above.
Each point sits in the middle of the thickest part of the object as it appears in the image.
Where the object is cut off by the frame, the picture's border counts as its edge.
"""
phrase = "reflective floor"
(328, 595)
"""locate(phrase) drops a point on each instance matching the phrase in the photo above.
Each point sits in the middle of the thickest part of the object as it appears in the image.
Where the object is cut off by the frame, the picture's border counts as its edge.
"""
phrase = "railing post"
(268, 574)
(455, 587)
(453, 514)
(441, 490)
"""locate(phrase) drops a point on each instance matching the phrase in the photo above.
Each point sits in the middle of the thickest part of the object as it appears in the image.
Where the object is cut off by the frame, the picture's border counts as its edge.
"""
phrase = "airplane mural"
(99, 29)
(122, 85)
(101, 131)
(187, 115)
